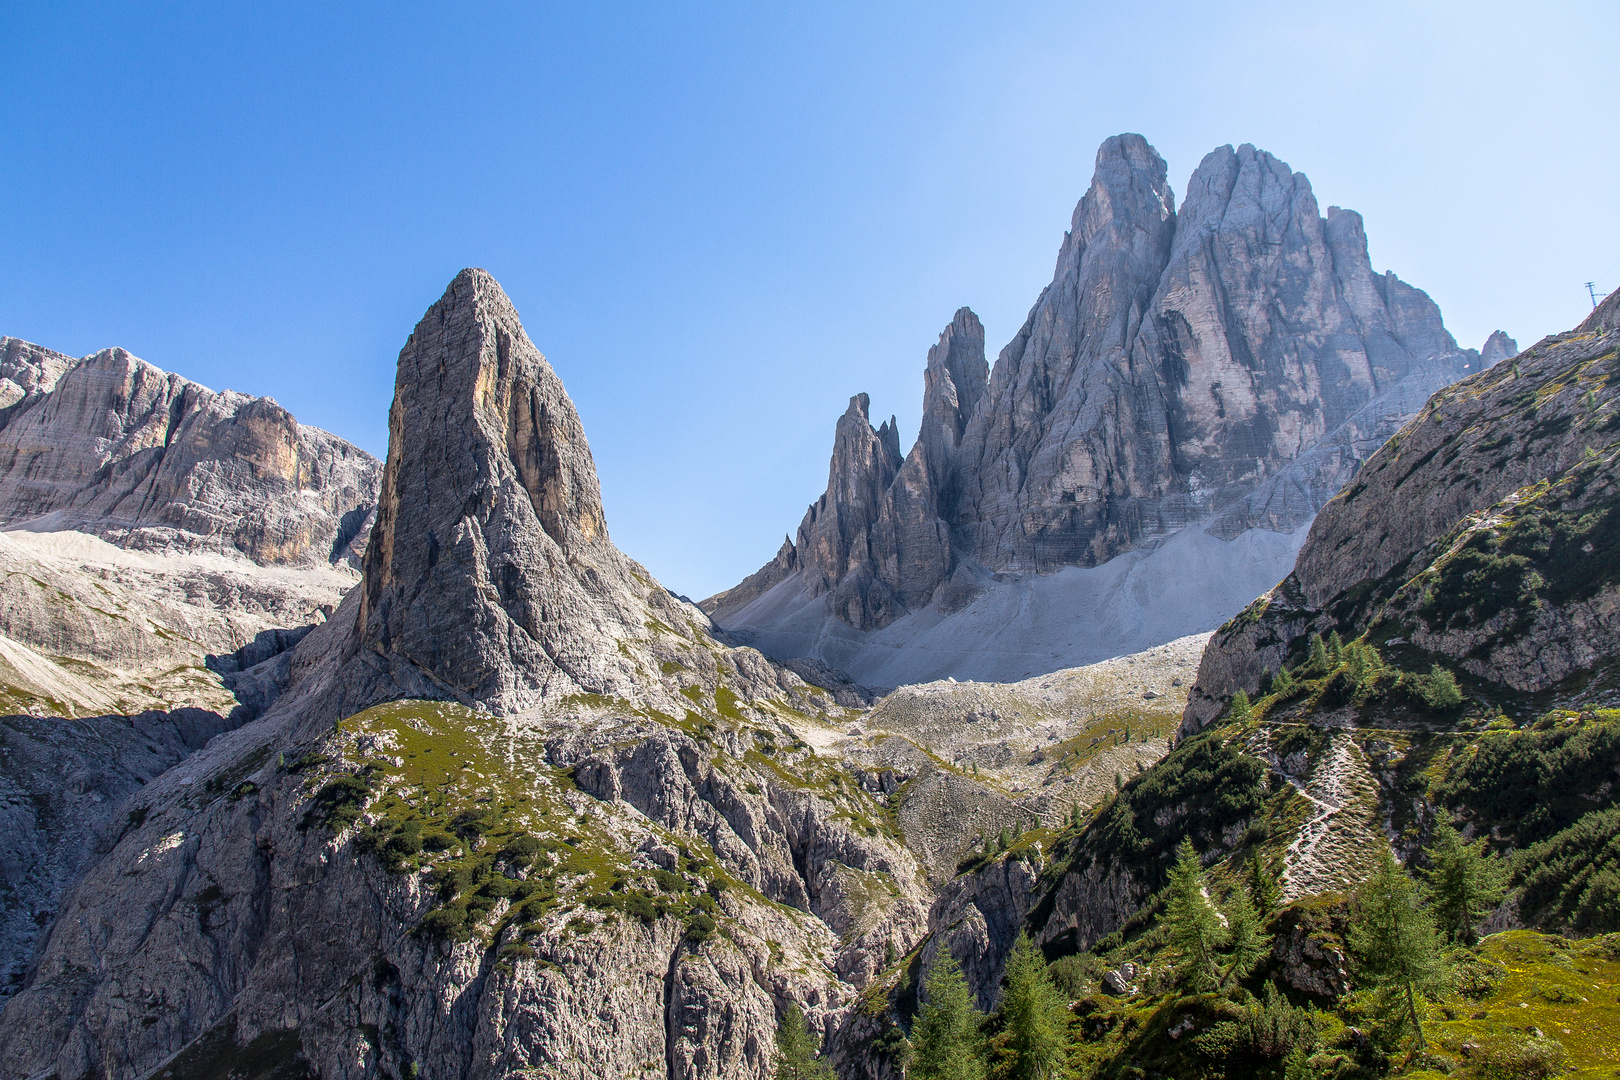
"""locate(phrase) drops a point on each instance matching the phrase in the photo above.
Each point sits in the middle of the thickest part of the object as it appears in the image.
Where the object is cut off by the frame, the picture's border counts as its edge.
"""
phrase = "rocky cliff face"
(1479, 531)
(490, 577)
(516, 809)
(112, 446)
(1226, 366)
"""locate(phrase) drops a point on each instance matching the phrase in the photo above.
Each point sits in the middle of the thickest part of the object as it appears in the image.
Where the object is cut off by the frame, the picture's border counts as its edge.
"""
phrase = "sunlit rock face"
(113, 446)
(1225, 367)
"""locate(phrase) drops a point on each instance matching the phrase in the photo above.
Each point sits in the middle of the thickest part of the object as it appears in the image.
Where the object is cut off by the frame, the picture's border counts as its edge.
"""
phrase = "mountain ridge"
(1224, 368)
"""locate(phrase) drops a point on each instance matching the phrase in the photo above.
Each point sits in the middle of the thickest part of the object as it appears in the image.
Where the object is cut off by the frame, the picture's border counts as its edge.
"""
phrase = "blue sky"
(720, 221)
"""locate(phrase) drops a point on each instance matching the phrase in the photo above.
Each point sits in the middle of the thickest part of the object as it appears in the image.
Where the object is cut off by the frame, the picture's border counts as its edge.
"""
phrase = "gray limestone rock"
(490, 577)
(27, 373)
(1497, 347)
(1227, 367)
(110, 445)
(235, 916)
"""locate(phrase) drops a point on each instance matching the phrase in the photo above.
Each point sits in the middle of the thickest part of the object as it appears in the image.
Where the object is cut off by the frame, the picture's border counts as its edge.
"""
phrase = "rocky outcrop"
(1478, 530)
(978, 917)
(1497, 347)
(111, 445)
(1228, 366)
(625, 862)
(27, 373)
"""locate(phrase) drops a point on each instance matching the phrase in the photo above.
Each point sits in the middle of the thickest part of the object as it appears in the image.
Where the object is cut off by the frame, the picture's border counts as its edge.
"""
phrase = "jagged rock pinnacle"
(490, 571)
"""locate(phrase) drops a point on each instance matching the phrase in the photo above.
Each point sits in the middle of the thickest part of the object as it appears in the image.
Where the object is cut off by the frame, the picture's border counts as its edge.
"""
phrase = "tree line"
(1399, 930)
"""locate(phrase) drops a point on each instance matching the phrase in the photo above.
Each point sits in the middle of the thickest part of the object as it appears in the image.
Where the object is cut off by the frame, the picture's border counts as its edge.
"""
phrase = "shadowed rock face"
(1226, 367)
(490, 574)
(113, 446)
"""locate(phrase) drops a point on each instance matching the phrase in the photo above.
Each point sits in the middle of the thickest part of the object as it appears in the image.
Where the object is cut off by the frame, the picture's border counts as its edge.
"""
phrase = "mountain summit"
(1191, 387)
(490, 574)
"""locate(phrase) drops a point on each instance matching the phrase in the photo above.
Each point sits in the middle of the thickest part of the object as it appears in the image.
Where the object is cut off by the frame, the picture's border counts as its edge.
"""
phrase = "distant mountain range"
(1181, 401)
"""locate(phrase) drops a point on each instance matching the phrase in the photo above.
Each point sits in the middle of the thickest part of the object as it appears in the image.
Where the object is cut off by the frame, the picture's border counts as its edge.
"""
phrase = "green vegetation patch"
(457, 794)
(1568, 991)
(1559, 545)
(1204, 785)
(1529, 785)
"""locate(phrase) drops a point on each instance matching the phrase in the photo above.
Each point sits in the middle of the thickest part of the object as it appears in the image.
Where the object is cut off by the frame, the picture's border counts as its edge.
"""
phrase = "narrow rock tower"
(490, 573)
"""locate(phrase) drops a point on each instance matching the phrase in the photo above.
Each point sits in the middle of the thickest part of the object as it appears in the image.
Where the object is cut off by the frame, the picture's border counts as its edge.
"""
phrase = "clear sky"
(720, 221)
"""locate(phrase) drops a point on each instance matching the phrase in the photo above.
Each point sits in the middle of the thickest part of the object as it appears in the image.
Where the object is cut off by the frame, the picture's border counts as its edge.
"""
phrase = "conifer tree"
(796, 1049)
(1240, 709)
(1319, 663)
(1247, 940)
(1264, 888)
(1033, 1016)
(1393, 940)
(1282, 683)
(1464, 883)
(1364, 661)
(1335, 649)
(945, 1038)
(1195, 929)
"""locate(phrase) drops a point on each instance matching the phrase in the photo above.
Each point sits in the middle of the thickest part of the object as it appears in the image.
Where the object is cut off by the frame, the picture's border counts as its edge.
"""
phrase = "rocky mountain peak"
(26, 372)
(1222, 369)
(490, 577)
(112, 445)
(1497, 347)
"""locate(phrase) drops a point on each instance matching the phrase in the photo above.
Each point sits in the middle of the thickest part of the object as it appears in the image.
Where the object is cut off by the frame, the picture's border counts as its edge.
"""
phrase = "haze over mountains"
(1182, 399)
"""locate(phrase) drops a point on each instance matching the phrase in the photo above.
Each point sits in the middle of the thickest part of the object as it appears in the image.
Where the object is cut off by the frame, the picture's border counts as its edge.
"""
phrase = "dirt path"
(1339, 840)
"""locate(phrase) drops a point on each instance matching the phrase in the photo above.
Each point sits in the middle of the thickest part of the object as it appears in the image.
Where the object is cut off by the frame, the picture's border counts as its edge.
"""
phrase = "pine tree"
(1247, 940)
(1319, 662)
(1335, 650)
(1033, 1016)
(1393, 939)
(1240, 709)
(1282, 683)
(945, 1037)
(1364, 661)
(796, 1049)
(1195, 929)
(1264, 888)
(1464, 883)
(1006, 838)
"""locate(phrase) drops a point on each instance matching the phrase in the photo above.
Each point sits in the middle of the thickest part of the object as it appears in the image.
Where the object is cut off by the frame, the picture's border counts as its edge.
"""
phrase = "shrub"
(1436, 690)
(1073, 975)
(520, 849)
(700, 927)
(640, 905)
(449, 923)
(670, 883)
(338, 804)
(1536, 783)
(1514, 1057)
(1573, 878)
